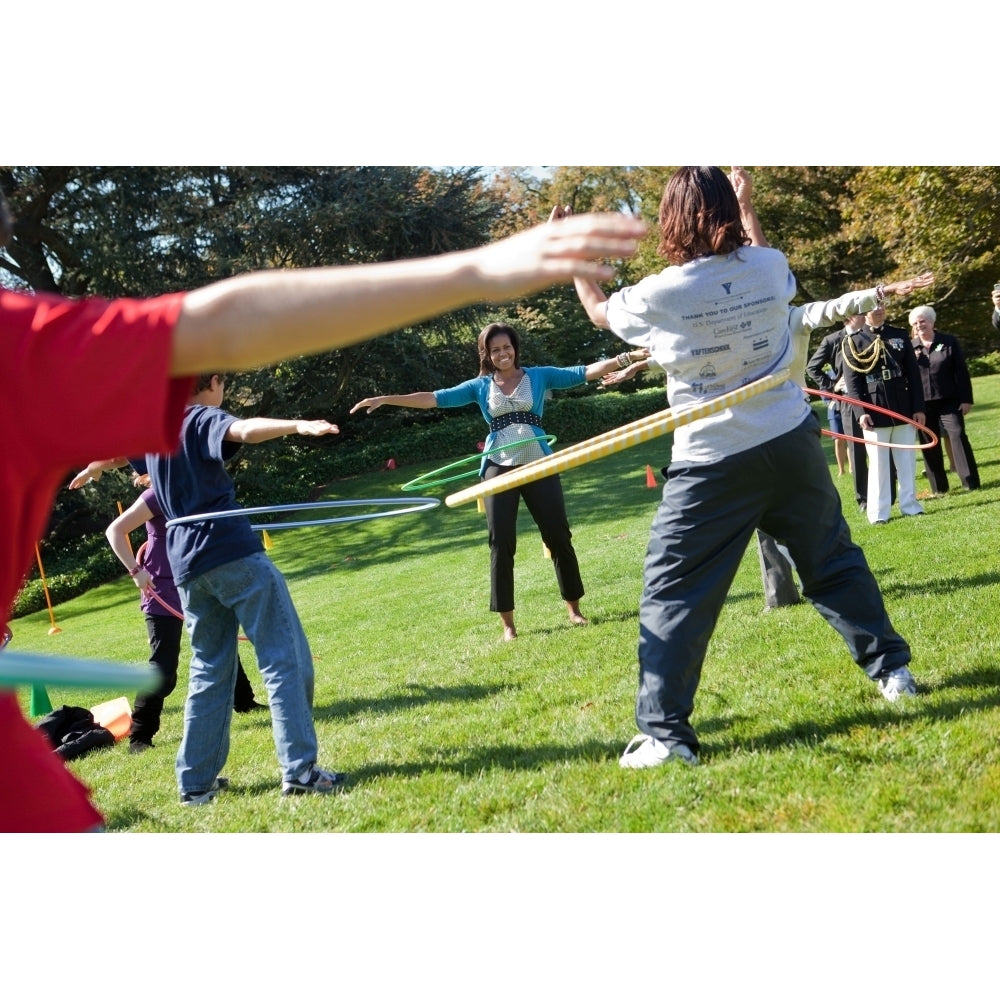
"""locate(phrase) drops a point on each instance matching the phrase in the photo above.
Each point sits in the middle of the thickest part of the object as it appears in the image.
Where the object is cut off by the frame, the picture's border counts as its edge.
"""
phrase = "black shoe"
(254, 706)
(139, 746)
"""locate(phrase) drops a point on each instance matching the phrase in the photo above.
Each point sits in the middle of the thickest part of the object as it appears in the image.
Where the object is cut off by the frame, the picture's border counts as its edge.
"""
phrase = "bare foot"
(574, 614)
(509, 632)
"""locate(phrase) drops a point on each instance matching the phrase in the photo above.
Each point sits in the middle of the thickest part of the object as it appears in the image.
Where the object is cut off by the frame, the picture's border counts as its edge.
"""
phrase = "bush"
(986, 364)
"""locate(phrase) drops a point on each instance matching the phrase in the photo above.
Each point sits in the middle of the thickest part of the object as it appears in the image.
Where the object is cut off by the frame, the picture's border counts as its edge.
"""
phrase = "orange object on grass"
(115, 716)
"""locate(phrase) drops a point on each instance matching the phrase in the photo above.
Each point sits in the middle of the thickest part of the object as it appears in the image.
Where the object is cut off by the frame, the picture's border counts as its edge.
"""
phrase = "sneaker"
(897, 683)
(203, 798)
(254, 706)
(647, 751)
(316, 780)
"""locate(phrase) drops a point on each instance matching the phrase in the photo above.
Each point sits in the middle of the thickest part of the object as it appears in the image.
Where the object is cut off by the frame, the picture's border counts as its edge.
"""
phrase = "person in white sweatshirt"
(718, 319)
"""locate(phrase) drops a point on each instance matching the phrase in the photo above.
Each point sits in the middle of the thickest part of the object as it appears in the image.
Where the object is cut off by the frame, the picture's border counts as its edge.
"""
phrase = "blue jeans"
(705, 520)
(250, 592)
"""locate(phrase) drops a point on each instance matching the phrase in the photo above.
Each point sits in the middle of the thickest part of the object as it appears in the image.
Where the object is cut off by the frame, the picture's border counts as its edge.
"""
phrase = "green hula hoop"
(424, 482)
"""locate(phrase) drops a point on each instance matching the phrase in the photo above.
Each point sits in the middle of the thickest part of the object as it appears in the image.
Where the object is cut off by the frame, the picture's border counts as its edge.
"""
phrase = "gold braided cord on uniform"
(865, 360)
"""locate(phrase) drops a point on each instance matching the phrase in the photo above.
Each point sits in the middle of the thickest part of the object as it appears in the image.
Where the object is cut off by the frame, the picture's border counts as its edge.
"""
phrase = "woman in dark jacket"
(947, 399)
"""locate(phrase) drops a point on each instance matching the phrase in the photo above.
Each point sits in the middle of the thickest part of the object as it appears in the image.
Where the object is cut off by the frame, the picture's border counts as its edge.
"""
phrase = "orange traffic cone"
(651, 477)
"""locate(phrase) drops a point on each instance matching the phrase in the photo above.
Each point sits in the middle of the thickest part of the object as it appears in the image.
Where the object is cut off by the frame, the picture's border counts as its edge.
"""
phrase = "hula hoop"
(615, 440)
(33, 668)
(878, 409)
(422, 503)
(420, 484)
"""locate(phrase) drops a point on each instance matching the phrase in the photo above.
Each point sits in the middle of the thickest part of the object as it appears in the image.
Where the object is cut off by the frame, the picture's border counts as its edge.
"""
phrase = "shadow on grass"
(500, 756)
(416, 695)
(939, 584)
(880, 715)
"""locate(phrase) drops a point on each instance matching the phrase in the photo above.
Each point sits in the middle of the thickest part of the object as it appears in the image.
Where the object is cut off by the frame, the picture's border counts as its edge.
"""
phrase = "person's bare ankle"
(509, 632)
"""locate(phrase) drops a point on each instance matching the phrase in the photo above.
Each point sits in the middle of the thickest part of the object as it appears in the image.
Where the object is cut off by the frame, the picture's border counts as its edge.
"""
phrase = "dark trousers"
(545, 503)
(699, 535)
(945, 417)
(164, 633)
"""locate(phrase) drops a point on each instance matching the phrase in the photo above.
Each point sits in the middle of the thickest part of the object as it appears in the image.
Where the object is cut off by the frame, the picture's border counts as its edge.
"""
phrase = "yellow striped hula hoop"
(626, 436)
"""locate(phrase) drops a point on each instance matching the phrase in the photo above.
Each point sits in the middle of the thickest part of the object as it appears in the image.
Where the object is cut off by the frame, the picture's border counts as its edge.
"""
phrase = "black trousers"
(164, 633)
(945, 417)
(545, 502)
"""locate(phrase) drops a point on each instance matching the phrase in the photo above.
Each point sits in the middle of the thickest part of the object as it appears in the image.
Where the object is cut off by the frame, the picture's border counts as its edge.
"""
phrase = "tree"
(943, 219)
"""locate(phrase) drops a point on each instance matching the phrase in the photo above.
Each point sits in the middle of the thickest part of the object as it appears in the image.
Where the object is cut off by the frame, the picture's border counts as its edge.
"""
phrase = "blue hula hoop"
(415, 505)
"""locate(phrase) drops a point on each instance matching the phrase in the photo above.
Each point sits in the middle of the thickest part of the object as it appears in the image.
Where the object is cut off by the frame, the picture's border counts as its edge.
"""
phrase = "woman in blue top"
(511, 399)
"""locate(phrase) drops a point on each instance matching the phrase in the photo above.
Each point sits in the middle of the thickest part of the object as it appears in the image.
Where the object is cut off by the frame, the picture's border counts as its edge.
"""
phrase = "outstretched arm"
(616, 365)
(263, 317)
(743, 186)
(590, 293)
(256, 430)
(95, 470)
(417, 400)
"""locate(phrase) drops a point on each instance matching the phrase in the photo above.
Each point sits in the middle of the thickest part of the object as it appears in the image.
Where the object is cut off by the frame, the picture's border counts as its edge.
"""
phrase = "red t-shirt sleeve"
(92, 376)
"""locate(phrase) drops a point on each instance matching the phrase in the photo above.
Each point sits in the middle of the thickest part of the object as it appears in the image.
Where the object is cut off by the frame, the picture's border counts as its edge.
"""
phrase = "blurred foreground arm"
(266, 316)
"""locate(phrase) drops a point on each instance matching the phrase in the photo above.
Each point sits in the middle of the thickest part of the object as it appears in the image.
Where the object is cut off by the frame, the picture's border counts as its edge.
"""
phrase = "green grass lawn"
(444, 728)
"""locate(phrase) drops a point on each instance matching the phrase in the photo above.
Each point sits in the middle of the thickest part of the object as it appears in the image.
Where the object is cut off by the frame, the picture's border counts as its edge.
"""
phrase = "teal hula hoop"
(424, 482)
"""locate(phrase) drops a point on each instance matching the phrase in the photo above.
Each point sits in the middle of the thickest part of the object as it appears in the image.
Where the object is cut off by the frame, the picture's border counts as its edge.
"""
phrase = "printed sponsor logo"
(759, 345)
(716, 349)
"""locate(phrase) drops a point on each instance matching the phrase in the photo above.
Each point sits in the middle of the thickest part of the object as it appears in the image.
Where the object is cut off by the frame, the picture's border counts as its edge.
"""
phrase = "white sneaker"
(897, 683)
(647, 751)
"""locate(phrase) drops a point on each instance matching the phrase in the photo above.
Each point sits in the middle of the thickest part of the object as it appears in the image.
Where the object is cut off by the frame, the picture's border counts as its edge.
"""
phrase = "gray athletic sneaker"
(315, 780)
(647, 751)
(897, 683)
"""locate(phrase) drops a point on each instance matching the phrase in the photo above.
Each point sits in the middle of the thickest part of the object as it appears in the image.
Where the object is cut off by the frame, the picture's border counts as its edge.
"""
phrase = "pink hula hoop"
(878, 409)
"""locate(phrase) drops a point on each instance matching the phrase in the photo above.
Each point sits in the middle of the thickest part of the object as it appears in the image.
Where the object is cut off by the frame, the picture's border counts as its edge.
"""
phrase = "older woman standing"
(947, 399)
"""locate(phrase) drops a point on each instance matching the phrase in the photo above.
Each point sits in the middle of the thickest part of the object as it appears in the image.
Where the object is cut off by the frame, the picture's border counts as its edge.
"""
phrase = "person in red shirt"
(122, 371)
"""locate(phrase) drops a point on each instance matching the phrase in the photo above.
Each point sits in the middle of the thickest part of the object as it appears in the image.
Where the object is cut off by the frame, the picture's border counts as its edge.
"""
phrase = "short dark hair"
(205, 381)
(699, 216)
(486, 366)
